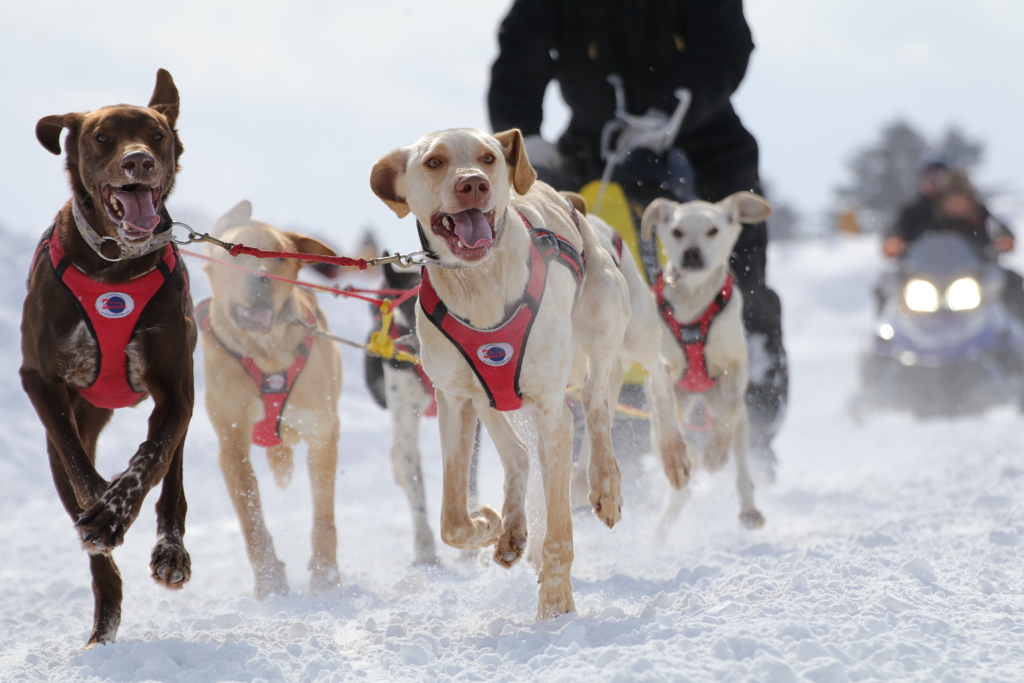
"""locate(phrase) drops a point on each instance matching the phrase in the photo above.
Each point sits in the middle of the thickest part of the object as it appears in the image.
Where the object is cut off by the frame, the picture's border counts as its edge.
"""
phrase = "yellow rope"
(381, 343)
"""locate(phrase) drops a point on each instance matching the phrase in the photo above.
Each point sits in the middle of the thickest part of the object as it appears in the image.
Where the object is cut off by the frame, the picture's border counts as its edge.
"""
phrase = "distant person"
(919, 212)
(954, 206)
(947, 201)
(656, 47)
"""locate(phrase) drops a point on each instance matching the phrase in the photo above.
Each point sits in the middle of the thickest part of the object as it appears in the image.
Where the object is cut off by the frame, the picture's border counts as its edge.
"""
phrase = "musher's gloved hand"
(542, 153)
(648, 131)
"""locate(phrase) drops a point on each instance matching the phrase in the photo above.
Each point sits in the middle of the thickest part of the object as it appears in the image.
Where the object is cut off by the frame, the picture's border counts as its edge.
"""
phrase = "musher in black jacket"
(656, 46)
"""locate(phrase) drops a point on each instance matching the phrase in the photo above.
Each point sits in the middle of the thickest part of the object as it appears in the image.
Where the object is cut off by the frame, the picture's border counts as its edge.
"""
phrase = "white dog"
(701, 311)
(642, 346)
(508, 315)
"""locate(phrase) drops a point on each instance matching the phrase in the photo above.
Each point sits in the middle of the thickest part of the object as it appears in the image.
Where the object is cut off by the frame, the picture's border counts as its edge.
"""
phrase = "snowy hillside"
(892, 551)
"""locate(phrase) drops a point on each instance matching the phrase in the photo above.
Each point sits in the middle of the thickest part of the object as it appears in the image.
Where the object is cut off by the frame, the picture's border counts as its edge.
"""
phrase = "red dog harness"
(274, 387)
(693, 335)
(496, 354)
(111, 312)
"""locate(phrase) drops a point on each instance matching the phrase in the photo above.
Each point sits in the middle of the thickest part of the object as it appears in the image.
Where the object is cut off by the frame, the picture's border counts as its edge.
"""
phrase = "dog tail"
(281, 464)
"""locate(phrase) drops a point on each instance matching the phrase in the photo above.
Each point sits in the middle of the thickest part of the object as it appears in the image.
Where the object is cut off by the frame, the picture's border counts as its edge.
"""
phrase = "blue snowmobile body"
(944, 343)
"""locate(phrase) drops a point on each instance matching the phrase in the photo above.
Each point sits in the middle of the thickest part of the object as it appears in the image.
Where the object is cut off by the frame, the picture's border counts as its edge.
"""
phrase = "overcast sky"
(289, 104)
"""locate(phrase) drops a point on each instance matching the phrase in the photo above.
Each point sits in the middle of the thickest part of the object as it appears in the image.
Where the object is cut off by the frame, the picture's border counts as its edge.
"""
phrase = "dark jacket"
(656, 46)
(922, 215)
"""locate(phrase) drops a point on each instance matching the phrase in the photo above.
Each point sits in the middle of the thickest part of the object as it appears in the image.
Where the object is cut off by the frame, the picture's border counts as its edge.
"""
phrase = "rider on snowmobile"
(948, 202)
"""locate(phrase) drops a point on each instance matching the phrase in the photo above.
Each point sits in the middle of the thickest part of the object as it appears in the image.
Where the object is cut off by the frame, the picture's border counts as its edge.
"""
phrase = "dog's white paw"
(677, 464)
(484, 529)
(606, 497)
(512, 543)
(752, 519)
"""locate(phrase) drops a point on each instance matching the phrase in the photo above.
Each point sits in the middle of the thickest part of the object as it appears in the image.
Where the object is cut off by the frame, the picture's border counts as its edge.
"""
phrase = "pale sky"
(289, 104)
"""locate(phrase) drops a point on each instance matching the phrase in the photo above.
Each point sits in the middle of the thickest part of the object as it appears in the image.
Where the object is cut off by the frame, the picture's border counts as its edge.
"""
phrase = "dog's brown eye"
(488, 158)
(712, 232)
(433, 162)
(677, 233)
(157, 137)
(102, 139)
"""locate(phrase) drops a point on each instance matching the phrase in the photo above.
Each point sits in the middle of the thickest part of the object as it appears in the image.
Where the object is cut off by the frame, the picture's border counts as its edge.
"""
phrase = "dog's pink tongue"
(139, 213)
(472, 228)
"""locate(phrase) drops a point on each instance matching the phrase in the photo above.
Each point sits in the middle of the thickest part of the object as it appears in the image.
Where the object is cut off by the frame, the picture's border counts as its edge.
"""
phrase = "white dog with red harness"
(493, 231)
(704, 344)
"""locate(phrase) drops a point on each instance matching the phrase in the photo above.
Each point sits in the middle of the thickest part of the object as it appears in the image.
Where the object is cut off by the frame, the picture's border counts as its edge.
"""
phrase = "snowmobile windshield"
(941, 257)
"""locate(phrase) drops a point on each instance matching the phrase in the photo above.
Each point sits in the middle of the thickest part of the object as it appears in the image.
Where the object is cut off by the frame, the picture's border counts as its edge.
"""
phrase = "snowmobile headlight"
(963, 295)
(921, 296)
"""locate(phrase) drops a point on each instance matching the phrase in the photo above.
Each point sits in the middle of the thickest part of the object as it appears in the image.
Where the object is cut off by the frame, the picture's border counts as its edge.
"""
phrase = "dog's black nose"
(137, 162)
(693, 259)
(259, 291)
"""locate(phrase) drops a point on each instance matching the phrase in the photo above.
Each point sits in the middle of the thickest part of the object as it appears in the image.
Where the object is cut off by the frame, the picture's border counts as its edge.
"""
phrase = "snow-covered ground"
(893, 551)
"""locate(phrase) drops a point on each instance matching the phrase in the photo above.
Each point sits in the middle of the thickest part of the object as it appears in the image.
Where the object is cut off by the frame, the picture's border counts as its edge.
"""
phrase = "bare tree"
(884, 173)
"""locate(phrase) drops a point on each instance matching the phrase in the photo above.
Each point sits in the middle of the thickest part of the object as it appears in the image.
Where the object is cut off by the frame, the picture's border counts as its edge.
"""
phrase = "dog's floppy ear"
(577, 202)
(310, 245)
(746, 207)
(523, 175)
(49, 128)
(165, 96)
(239, 214)
(657, 211)
(387, 180)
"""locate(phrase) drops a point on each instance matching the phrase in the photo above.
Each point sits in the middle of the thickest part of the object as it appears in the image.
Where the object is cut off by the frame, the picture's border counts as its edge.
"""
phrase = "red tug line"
(351, 292)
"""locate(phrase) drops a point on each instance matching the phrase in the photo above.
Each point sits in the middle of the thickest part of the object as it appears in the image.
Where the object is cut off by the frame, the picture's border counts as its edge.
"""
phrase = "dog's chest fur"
(80, 351)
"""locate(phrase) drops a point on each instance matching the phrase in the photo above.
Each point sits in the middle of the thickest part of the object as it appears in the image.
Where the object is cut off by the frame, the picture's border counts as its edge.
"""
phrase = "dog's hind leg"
(323, 467)
(456, 420)
(516, 460)
(170, 563)
(404, 391)
(245, 496)
(750, 517)
(554, 438)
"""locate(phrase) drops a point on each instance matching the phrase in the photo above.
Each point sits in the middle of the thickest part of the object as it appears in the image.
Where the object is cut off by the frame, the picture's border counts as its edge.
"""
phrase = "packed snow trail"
(892, 551)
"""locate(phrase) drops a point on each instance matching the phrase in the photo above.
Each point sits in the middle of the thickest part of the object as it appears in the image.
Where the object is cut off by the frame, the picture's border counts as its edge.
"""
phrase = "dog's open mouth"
(255, 319)
(470, 234)
(134, 209)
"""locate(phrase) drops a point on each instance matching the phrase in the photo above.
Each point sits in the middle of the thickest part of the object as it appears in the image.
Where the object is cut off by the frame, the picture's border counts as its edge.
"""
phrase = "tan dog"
(704, 343)
(261, 350)
(475, 198)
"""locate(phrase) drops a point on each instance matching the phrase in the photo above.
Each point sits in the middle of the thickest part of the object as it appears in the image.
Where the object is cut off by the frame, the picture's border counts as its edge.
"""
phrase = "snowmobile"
(944, 343)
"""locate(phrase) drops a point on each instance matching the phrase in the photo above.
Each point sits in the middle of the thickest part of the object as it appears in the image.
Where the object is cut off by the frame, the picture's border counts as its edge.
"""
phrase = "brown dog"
(272, 381)
(107, 321)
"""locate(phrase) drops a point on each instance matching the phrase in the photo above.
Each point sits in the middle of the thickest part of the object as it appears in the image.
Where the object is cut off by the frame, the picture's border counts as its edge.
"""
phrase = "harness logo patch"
(114, 305)
(495, 355)
(276, 382)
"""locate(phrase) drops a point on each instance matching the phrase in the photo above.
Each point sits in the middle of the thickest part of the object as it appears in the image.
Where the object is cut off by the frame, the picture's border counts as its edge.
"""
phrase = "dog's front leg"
(406, 399)
(605, 478)
(554, 437)
(750, 516)
(104, 525)
(169, 563)
(53, 405)
(457, 421)
(323, 468)
(516, 460)
(665, 426)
